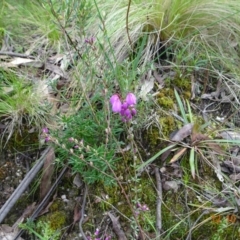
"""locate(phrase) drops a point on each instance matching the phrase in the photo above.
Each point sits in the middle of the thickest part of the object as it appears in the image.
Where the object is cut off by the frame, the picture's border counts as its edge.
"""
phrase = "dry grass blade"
(178, 155)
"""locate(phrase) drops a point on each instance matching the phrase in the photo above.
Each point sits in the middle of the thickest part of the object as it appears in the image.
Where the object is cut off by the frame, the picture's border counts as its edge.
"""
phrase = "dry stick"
(46, 199)
(159, 203)
(12, 54)
(23, 186)
(128, 9)
(82, 213)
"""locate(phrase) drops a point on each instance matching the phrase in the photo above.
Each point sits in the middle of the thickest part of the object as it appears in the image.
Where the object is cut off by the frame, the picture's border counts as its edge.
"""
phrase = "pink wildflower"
(45, 130)
(131, 99)
(126, 108)
(116, 103)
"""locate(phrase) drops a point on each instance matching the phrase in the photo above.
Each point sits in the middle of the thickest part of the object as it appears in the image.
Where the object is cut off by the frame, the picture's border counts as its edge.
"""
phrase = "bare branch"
(159, 203)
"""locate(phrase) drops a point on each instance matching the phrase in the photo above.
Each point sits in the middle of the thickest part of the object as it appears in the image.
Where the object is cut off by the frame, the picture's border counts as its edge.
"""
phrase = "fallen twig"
(82, 213)
(22, 186)
(12, 54)
(159, 203)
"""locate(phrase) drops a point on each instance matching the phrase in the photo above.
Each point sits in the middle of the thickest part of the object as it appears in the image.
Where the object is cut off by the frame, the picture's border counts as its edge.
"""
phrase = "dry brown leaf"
(116, 227)
(8, 233)
(158, 77)
(233, 168)
(48, 169)
(235, 177)
(215, 147)
(146, 85)
(183, 132)
(170, 185)
(57, 70)
(27, 213)
(198, 137)
(77, 214)
(230, 135)
(77, 181)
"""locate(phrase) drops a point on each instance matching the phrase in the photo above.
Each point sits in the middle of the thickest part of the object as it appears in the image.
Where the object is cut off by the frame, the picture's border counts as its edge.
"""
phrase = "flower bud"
(131, 99)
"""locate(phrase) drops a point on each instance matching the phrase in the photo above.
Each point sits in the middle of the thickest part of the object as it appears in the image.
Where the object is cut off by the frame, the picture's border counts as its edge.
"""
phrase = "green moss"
(168, 125)
(57, 220)
(56, 206)
(165, 98)
(57, 217)
(148, 193)
(137, 190)
(217, 228)
(173, 216)
(152, 136)
(183, 83)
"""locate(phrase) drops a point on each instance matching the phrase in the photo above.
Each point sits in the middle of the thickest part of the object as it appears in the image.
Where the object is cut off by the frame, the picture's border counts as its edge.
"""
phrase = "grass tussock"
(207, 29)
(22, 104)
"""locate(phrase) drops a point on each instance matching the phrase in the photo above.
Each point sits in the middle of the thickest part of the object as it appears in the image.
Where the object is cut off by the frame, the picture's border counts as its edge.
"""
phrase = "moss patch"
(57, 218)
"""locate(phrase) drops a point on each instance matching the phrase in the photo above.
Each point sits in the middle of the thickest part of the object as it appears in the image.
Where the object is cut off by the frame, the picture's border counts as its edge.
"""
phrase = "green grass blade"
(155, 156)
(180, 104)
(192, 162)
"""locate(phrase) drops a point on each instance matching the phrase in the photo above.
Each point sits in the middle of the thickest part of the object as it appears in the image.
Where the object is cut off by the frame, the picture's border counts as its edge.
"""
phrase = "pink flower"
(131, 99)
(139, 205)
(97, 232)
(127, 114)
(45, 130)
(116, 103)
(90, 40)
(126, 108)
(133, 111)
(145, 208)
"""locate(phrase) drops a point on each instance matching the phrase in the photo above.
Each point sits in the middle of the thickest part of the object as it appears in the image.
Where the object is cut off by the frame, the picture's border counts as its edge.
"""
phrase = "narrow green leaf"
(192, 162)
(155, 156)
(234, 142)
(180, 104)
